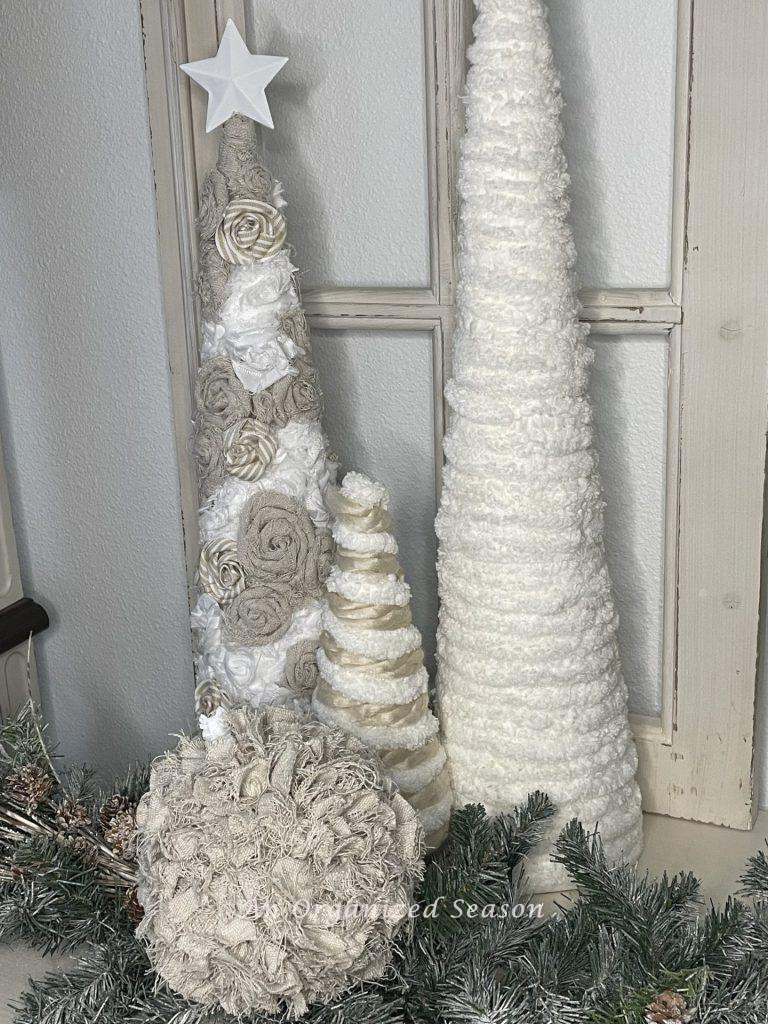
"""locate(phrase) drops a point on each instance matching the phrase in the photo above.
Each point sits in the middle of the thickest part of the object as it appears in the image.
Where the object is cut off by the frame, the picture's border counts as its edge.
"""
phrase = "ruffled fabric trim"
(369, 687)
(372, 543)
(411, 780)
(380, 737)
(364, 491)
(372, 643)
(369, 588)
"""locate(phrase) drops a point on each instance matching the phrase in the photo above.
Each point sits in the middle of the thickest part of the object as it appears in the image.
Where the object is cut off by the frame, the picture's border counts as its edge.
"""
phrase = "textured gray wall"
(84, 391)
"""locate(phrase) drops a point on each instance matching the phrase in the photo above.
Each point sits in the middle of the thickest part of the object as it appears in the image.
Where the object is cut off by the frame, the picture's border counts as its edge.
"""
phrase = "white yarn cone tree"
(530, 689)
(262, 466)
(373, 683)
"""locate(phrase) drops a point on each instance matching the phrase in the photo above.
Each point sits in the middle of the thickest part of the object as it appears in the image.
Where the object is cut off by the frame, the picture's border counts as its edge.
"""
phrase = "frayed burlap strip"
(276, 864)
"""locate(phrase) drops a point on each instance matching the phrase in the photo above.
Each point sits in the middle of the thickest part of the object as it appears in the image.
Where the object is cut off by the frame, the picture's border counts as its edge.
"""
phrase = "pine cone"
(668, 1007)
(29, 785)
(81, 845)
(133, 908)
(111, 808)
(71, 816)
(121, 834)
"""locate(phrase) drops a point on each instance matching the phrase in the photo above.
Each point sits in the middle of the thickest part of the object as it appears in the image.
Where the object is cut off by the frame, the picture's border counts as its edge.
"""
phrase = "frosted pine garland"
(530, 689)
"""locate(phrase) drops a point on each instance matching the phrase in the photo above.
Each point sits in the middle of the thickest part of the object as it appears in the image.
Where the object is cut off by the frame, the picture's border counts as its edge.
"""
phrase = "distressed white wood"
(705, 772)
(680, 165)
(175, 161)
(641, 305)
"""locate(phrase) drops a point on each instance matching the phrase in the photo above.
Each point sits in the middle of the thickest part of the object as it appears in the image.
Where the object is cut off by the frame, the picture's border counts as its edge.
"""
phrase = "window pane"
(617, 68)
(350, 138)
(629, 395)
(379, 419)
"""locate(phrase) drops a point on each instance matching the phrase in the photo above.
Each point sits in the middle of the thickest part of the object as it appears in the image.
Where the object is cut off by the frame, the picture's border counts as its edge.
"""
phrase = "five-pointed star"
(235, 80)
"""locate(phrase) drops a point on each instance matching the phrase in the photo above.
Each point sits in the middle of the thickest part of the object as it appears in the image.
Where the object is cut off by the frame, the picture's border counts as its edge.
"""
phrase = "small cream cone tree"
(373, 683)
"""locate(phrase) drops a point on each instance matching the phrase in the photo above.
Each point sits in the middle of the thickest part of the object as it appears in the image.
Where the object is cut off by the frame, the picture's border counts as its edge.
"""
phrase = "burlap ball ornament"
(276, 863)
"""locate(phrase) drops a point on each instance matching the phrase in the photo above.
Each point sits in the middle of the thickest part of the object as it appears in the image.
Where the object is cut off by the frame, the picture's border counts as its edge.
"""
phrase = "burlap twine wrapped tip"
(237, 175)
(276, 864)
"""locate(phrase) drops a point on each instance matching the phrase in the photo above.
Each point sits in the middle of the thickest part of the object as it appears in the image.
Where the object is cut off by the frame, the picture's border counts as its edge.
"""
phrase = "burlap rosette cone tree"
(373, 683)
(262, 466)
(530, 689)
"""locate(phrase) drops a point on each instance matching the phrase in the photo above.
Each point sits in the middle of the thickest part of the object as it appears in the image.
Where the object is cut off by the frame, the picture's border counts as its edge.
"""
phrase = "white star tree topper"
(235, 80)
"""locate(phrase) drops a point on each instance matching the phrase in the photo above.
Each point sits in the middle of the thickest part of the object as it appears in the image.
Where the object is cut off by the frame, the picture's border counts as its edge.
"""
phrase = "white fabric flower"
(249, 673)
(250, 330)
(213, 341)
(214, 726)
(255, 285)
(299, 469)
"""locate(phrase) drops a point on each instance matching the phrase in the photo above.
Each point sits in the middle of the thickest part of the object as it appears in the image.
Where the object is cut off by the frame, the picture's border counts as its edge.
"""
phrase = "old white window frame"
(696, 756)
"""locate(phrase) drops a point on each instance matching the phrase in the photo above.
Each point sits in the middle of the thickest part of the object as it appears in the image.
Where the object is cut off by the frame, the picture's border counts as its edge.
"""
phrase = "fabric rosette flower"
(260, 614)
(326, 551)
(293, 324)
(263, 408)
(277, 544)
(250, 230)
(249, 448)
(209, 696)
(256, 285)
(219, 394)
(208, 447)
(213, 341)
(301, 671)
(298, 397)
(219, 572)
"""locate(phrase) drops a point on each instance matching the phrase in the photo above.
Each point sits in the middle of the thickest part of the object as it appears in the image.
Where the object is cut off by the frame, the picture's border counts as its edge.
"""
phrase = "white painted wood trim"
(680, 158)
(640, 305)
(648, 306)
(174, 161)
(182, 155)
(705, 773)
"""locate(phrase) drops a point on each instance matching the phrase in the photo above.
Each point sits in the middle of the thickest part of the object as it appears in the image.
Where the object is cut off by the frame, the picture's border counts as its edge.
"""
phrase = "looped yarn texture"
(529, 686)
(250, 230)
(276, 864)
